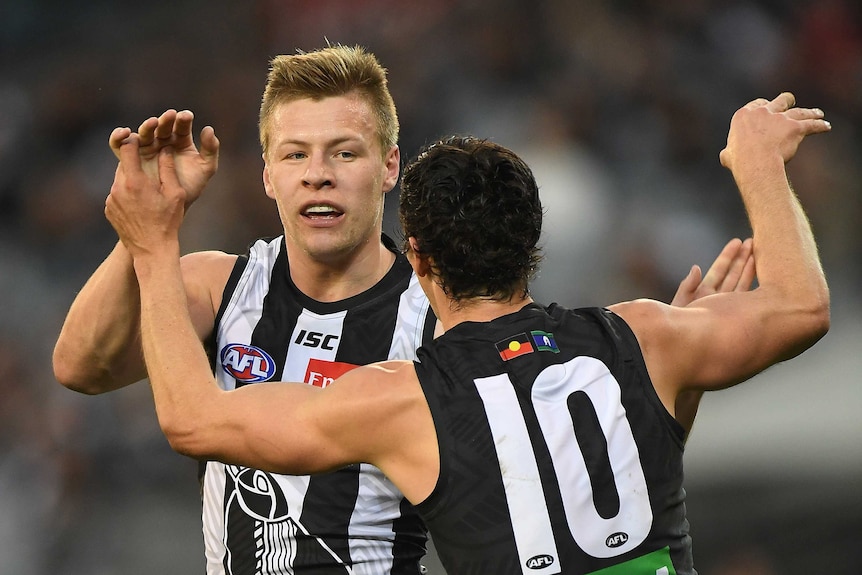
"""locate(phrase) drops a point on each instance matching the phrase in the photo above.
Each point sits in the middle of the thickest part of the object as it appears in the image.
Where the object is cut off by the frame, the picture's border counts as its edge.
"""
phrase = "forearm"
(788, 265)
(98, 348)
(179, 372)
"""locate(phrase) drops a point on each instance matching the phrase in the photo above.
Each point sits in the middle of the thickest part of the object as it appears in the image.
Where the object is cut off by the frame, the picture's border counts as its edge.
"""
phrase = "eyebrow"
(334, 142)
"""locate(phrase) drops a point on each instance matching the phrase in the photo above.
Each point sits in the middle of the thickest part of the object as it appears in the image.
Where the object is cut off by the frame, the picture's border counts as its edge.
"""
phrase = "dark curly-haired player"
(532, 439)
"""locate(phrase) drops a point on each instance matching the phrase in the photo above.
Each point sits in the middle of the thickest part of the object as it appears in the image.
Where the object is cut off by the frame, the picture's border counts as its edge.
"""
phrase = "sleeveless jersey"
(556, 454)
(353, 520)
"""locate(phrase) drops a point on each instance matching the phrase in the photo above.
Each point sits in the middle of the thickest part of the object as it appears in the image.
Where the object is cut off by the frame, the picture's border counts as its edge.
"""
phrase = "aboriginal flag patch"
(513, 346)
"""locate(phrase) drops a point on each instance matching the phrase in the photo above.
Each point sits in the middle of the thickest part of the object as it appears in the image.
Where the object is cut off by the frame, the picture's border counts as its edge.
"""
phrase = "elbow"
(88, 375)
(192, 429)
(183, 437)
(821, 319)
(71, 376)
(817, 320)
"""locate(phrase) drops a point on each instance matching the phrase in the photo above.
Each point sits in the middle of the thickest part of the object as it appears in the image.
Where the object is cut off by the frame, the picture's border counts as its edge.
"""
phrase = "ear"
(392, 162)
(421, 264)
(267, 185)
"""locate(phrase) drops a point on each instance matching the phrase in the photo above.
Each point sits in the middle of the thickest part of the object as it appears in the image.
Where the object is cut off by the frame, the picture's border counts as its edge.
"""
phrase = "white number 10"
(594, 534)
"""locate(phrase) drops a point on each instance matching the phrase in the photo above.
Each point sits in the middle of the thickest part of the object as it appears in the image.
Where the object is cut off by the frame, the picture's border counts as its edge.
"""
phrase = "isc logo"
(540, 562)
(247, 363)
(315, 339)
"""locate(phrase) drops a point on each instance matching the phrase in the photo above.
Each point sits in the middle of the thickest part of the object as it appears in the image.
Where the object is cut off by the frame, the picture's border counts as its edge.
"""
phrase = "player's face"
(328, 175)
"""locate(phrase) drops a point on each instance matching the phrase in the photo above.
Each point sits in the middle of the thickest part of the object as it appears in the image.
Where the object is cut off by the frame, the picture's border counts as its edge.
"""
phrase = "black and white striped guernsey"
(556, 454)
(350, 521)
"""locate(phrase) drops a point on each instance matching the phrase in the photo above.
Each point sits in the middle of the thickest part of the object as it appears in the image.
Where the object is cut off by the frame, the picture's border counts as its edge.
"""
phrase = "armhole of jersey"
(210, 343)
(632, 349)
(429, 506)
(229, 288)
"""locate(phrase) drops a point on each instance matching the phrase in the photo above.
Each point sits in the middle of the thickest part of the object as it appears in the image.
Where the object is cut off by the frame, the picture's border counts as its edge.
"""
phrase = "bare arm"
(723, 339)
(733, 270)
(99, 348)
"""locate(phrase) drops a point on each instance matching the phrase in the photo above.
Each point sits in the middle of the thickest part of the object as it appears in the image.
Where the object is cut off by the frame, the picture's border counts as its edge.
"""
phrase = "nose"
(318, 173)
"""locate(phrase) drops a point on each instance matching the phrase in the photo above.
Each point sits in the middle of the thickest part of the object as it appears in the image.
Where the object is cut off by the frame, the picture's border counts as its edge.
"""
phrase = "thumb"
(209, 145)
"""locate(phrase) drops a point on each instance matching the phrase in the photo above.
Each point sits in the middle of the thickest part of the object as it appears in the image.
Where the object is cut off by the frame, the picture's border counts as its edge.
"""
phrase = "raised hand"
(194, 167)
(145, 212)
(769, 124)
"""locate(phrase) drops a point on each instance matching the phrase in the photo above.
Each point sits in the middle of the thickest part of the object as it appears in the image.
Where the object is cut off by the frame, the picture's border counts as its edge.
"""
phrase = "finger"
(117, 138)
(165, 126)
(130, 159)
(717, 272)
(782, 102)
(805, 113)
(756, 103)
(209, 144)
(737, 266)
(749, 272)
(685, 293)
(183, 124)
(147, 130)
(815, 126)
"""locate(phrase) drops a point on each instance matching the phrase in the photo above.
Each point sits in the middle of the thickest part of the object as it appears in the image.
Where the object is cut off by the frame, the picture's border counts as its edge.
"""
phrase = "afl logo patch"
(616, 539)
(247, 363)
(540, 561)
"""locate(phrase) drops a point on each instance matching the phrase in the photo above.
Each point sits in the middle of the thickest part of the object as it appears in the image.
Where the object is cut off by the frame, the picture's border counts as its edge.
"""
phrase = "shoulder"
(371, 404)
(377, 380)
(647, 318)
(211, 268)
(378, 393)
(205, 275)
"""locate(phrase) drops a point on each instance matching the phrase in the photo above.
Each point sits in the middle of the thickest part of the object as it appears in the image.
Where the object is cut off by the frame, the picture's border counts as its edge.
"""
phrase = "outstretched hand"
(173, 130)
(772, 126)
(145, 212)
(732, 270)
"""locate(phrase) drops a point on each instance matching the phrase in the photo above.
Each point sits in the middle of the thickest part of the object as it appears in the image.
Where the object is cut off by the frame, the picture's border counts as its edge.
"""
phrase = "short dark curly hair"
(473, 207)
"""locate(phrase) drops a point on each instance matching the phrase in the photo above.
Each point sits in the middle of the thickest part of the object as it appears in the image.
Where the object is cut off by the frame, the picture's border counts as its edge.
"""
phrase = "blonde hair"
(332, 71)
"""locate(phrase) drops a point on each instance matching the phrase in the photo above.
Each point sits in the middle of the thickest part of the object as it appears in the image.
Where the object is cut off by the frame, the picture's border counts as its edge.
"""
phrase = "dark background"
(620, 106)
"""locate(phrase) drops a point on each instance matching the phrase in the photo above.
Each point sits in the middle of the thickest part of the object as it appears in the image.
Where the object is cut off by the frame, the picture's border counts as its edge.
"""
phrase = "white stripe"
(377, 507)
(412, 308)
(213, 518)
(234, 321)
(524, 493)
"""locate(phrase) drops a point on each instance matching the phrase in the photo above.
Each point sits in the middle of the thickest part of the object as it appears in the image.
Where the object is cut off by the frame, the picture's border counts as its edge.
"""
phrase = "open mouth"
(322, 211)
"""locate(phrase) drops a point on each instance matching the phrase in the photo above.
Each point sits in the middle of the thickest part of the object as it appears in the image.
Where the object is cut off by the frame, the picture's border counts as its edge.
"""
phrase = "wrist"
(153, 261)
(759, 172)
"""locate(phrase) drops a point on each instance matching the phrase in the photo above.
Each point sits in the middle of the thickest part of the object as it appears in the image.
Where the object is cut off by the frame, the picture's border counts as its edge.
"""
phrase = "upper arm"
(99, 347)
(205, 275)
(716, 341)
(297, 428)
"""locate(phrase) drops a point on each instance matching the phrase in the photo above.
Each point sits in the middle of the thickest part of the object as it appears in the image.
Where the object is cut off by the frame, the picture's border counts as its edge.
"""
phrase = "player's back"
(557, 455)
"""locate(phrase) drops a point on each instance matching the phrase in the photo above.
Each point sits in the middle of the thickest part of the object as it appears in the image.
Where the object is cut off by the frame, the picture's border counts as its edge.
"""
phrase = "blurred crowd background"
(620, 106)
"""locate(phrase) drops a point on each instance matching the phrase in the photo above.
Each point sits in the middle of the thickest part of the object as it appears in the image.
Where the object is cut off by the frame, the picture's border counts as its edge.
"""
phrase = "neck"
(339, 278)
(451, 313)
